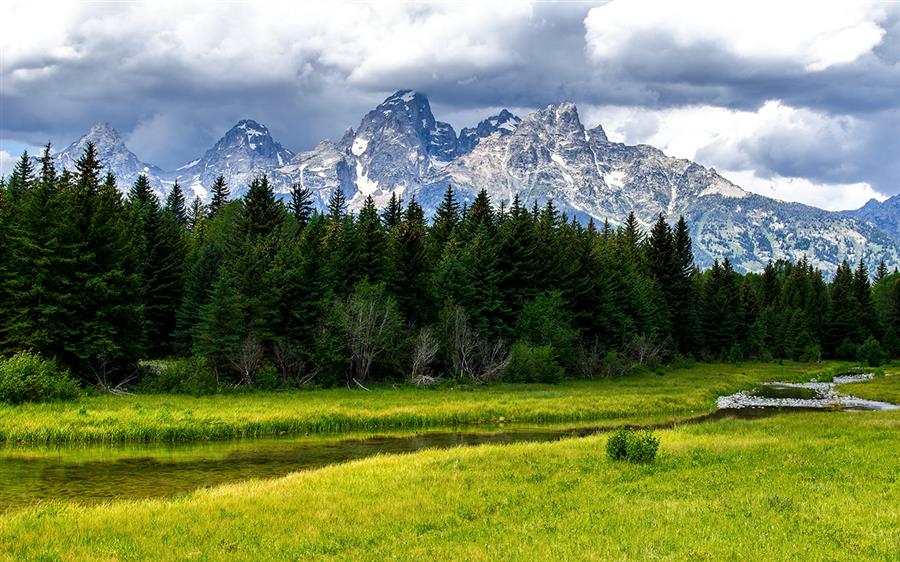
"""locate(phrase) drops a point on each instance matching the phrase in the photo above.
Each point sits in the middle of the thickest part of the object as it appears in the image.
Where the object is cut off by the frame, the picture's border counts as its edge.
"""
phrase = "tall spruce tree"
(220, 196)
(393, 213)
(22, 178)
(261, 214)
(301, 204)
(446, 221)
(176, 205)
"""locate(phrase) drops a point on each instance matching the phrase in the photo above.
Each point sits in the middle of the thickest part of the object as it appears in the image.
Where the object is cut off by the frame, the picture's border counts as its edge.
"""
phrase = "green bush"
(189, 375)
(633, 446)
(682, 362)
(870, 352)
(847, 350)
(642, 447)
(529, 363)
(28, 377)
(617, 445)
(615, 364)
(268, 378)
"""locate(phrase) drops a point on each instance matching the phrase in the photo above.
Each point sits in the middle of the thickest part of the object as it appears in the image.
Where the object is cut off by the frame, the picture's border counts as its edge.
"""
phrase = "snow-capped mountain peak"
(115, 156)
(246, 150)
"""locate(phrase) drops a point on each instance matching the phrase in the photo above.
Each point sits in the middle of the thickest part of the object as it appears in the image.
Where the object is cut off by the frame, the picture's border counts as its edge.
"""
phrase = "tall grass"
(639, 399)
(802, 486)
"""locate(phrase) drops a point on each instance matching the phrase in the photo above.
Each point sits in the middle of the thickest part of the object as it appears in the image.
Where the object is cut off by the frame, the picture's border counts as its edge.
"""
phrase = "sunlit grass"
(641, 399)
(883, 389)
(805, 486)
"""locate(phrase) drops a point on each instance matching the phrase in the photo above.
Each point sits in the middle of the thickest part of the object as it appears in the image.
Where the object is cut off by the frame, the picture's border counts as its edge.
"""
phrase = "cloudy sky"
(795, 100)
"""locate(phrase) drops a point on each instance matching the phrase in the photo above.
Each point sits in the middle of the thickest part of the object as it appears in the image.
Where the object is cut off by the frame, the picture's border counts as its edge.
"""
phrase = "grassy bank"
(809, 486)
(884, 389)
(641, 399)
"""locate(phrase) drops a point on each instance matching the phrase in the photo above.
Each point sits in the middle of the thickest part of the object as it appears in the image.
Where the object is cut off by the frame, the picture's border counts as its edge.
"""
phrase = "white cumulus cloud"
(811, 35)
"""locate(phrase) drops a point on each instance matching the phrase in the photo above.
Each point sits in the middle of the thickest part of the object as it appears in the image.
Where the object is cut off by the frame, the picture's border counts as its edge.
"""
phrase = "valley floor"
(804, 485)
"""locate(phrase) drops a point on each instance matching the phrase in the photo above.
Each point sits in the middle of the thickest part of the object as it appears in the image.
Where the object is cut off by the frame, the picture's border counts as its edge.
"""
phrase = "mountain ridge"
(400, 147)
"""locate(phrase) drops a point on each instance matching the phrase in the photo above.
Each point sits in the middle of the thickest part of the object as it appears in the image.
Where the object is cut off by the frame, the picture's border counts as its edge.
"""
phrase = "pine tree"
(881, 272)
(632, 235)
(371, 242)
(393, 213)
(220, 330)
(301, 205)
(160, 252)
(518, 261)
(862, 289)
(176, 205)
(446, 221)
(261, 214)
(843, 316)
(220, 196)
(48, 169)
(196, 215)
(141, 194)
(410, 266)
(22, 178)
(337, 206)
(481, 213)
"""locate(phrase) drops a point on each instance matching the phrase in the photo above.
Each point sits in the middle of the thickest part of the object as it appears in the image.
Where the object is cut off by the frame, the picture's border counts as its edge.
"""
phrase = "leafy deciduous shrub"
(28, 377)
(633, 446)
(529, 363)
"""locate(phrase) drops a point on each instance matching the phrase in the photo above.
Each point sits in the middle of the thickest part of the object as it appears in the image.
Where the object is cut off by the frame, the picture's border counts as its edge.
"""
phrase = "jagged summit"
(503, 123)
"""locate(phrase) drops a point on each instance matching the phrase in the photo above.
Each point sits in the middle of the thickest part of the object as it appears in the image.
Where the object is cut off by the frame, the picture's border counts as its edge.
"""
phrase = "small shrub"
(532, 364)
(811, 354)
(633, 446)
(28, 377)
(615, 365)
(641, 447)
(617, 445)
(870, 352)
(682, 362)
(268, 378)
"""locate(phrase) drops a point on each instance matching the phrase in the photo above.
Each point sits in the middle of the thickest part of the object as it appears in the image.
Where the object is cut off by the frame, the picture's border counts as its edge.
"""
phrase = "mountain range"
(400, 147)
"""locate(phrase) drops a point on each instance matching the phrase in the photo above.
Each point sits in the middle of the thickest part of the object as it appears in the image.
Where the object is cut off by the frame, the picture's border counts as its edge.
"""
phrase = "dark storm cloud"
(173, 80)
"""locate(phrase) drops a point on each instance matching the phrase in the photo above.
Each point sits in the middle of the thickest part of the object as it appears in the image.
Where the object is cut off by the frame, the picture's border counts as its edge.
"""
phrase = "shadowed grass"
(808, 486)
(641, 399)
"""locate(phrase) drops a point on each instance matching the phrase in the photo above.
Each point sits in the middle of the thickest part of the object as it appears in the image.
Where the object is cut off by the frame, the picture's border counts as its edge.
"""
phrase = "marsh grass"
(804, 486)
(640, 399)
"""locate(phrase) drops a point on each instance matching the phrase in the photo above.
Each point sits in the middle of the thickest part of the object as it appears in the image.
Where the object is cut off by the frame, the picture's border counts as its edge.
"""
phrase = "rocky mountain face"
(882, 214)
(115, 156)
(400, 147)
(245, 151)
(503, 123)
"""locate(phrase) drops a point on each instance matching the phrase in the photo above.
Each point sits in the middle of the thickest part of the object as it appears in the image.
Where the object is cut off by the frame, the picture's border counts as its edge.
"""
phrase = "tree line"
(98, 281)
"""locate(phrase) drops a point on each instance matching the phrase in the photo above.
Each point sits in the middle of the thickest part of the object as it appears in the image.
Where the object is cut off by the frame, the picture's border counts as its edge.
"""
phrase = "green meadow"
(811, 486)
(797, 485)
